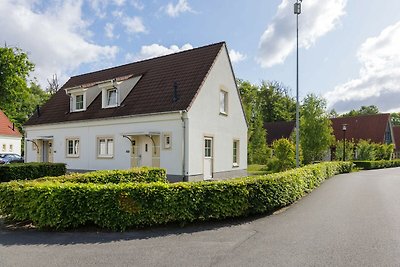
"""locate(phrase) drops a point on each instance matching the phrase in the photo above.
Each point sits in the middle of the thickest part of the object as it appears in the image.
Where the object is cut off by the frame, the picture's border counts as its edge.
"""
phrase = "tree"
(395, 118)
(53, 86)
(316, 133)
(364, 110)
(257, 146)
(275, 102)
(17, 99)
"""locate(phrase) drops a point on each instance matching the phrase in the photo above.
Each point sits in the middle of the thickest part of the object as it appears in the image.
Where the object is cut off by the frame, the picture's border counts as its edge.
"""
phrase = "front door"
(45, 151)
(208, 158)
(146, 150)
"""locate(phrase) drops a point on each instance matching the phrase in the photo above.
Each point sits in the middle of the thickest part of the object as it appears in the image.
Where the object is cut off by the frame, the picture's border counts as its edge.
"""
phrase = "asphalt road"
(351, 220)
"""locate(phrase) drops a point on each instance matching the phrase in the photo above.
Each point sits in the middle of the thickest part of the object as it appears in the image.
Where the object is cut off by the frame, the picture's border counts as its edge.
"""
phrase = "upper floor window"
(78, 102)
(223, 102)
(112, 97)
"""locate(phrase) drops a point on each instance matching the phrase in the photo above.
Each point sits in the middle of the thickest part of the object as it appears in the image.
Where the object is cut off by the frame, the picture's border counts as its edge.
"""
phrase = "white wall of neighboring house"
(89, 131)
(10, 144)
(205, 120)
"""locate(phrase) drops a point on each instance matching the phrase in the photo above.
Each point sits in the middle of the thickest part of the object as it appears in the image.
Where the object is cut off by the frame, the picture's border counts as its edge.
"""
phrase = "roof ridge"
(148, 59)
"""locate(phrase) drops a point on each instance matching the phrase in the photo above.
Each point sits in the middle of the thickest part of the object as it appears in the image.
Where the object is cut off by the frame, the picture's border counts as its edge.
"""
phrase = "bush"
(284, 155)
(30, 171)
(379, 164)
(119, 206)
(136, 175)
(365, 150)
(349, 150)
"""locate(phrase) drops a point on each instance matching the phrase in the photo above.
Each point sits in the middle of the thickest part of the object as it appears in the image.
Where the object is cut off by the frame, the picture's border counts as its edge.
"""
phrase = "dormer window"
(79, 102)
(112, 97)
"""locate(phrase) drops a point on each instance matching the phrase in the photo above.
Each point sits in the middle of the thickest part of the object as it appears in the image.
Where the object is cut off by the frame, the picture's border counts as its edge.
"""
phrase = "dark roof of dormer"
(154, 93)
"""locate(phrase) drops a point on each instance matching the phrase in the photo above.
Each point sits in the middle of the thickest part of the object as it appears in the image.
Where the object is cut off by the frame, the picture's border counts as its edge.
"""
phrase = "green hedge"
(378, 164)
(30, 171)
(120, 206)
(137, 175)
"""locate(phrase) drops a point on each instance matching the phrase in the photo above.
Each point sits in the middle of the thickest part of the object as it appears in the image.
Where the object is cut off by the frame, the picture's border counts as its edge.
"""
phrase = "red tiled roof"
(372, 127)
(278, 130)
(367, 127)
(152, 94)
(6, 126)
(396, 133)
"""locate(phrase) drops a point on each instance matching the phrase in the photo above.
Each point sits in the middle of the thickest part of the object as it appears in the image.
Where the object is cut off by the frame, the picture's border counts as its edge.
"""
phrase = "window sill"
(235, 165)
(113, 106)
(73, 156)
(78, 110)
(223, 113)
(105, 157)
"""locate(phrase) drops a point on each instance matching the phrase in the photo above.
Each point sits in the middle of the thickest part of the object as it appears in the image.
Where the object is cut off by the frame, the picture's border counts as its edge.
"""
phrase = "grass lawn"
(257, 169)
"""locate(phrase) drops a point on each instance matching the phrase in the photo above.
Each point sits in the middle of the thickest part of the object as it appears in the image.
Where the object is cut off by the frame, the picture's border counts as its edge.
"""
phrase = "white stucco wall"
(8, 141)
(89, 131)
(205, 120)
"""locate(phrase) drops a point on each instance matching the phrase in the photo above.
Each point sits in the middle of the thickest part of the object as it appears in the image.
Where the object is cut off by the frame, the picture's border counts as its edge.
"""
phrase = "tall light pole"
(344, 129)
(297, 12)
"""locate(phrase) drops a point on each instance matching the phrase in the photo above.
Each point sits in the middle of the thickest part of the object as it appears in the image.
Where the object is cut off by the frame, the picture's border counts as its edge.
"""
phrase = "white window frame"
(235, 152)
(4, 148)
(10, 148)
(109, 152)
(223, 102)
(167, 140)
(75, 147)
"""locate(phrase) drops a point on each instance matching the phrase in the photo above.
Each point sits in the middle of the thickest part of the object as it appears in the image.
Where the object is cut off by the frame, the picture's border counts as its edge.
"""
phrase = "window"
(79, 102)
(72, 147)
(167, 141)
(11, 148)
(105, 147)
(235, 158)
(207, 148)
(4, 148)
(111, 97)
(223, 102)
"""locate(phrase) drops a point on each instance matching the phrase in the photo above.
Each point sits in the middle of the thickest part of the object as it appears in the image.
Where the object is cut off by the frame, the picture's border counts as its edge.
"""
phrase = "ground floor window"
(235, 157)
(73, 147)
(105, 147)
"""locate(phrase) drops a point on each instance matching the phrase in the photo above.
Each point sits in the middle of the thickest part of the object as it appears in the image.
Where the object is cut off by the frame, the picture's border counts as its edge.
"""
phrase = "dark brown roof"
(278, 130)
(366, 127)
(152, 94)
(6, 126)
(396, 133)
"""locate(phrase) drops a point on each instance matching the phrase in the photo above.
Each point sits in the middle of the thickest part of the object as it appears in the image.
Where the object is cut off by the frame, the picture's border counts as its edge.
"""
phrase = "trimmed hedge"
(378, 164)
(30, 171)
(120, 206)
(135, 175)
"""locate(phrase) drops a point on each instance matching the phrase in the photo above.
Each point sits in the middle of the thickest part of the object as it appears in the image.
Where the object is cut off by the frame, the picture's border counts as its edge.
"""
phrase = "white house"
(181, 112)
(10, 137)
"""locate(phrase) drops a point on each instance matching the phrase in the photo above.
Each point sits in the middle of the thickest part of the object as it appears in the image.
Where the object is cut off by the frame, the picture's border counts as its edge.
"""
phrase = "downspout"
(182, 112)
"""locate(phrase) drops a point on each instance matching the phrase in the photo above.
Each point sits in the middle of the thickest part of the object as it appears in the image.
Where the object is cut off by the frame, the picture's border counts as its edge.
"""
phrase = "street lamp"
(344, 129)
(297, 12)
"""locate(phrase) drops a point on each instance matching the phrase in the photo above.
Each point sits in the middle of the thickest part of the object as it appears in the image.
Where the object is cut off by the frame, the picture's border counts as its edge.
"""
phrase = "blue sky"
(349, 50)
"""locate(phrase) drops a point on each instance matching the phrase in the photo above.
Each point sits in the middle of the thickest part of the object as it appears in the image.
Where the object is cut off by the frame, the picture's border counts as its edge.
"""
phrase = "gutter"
(182, 112)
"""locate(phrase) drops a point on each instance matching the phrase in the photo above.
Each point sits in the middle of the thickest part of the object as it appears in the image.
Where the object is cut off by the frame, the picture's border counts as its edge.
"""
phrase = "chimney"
(175, 95)
(13, 128)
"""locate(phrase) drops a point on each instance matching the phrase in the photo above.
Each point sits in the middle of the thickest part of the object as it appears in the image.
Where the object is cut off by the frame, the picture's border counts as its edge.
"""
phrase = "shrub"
(284, 155)
(137, 175)
(365, 150)
(379, 164)
(349, 150)
(119, 206)
(30, 171)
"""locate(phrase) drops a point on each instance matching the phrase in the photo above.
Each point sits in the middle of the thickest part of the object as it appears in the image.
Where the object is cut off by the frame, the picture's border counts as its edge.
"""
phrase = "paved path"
(351, 220)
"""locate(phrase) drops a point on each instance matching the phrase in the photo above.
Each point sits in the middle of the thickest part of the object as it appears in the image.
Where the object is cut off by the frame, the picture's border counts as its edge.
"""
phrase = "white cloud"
(175, 10)
(156, 50)
(236, 56)
(378, 83)
(279, 39)
(56, 38)
(119, 2)
(133, 25)
(109, 29)
(137, 4)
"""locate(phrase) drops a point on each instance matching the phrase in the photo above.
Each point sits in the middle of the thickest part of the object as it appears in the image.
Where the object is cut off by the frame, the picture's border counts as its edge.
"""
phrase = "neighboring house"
(10, 137)
(396, 134)
(181, 112)
(376, 128)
